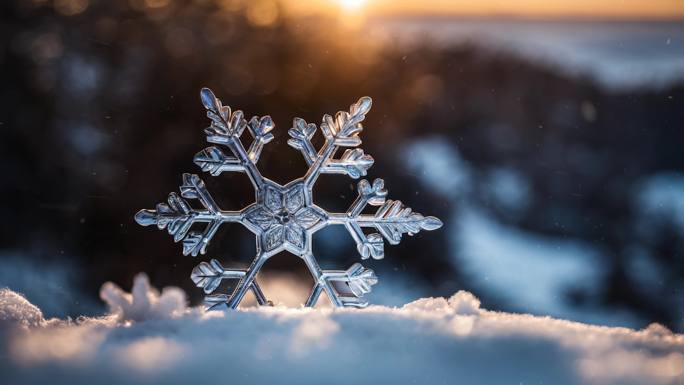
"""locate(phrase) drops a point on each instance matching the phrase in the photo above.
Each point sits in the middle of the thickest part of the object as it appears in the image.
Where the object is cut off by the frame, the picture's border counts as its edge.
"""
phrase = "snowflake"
(285, 217)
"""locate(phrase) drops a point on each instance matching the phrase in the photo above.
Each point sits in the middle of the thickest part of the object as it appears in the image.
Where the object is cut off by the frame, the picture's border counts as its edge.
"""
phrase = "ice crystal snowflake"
(285, 217)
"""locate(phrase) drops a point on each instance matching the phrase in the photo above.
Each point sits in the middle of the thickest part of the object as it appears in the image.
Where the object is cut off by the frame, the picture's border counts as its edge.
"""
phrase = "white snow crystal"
(144, 302)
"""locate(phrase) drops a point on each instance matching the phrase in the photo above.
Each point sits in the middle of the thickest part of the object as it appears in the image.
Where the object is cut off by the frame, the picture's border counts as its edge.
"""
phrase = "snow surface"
(150, 337)
(661, 197)
(15, 309)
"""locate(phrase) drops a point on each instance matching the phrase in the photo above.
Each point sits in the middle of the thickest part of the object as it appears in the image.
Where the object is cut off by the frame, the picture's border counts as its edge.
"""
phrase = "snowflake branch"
(214, 161)
(374, 195)
(178, 217)
(371, 245)
(321, 283)
(208, 276)
(352, 162)
(194, 188)
(226, 129)
(260, 129)
(216, 301)
(301, 133)
(348, 285)
(341, 131)
(247, 282)
(391, 220)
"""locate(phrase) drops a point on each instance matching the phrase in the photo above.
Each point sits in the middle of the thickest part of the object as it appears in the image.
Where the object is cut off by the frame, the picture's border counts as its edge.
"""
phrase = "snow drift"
(152, 337)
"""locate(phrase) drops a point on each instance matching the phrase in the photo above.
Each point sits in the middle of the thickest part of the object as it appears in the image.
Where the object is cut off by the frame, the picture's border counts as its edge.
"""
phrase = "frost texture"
(429, 341)
(284, 218)
(144, 302)
(15, 309)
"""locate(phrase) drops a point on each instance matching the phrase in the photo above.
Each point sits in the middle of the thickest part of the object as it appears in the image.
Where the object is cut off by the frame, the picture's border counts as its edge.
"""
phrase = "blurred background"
(548, 136)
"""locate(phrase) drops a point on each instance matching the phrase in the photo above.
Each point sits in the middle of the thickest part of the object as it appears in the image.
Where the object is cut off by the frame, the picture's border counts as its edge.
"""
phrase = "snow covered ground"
(151, 337)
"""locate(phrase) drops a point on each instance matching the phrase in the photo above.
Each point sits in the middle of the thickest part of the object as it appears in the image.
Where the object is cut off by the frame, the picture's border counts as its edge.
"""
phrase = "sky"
(618, 9)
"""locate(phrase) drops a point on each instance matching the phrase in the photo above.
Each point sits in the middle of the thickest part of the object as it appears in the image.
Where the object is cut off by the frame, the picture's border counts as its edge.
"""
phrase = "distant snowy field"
(530, 272)
(150, 337)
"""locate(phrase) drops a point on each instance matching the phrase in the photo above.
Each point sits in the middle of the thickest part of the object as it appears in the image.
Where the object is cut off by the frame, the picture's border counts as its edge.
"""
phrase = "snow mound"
(463, 303)
(15, 309)
(144, 302)
(428, 341)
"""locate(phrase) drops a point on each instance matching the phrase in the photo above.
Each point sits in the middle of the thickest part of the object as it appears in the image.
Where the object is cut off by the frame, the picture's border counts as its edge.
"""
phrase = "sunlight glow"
(563, 9)
(351, 5)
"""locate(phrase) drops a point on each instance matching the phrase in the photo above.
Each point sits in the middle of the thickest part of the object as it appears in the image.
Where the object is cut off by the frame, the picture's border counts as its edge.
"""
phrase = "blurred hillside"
(549, 172)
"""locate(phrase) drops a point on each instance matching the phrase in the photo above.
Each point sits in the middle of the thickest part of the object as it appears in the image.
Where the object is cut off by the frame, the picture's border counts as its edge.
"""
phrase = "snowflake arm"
(208, 276)
(260, 129)
(341, 131)
(247, 281)
(392, 220)
(226, 129)
(344, 287)
(177, 216)
(301, 133)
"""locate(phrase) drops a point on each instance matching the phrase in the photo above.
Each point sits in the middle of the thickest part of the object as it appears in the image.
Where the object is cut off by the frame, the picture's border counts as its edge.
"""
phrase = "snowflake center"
(283, 217)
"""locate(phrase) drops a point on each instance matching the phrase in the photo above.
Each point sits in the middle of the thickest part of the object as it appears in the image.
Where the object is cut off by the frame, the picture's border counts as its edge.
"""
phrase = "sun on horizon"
(607, 9)
(351, 5)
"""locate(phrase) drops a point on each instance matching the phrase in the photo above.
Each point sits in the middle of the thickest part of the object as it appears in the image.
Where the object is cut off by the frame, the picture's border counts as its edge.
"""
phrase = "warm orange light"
(609, 9)
(351, 5)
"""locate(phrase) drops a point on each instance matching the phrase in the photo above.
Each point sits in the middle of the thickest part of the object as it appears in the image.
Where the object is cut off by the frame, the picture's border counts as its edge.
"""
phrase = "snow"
(15, 309)
(144, 302)
(661, 197)
(659, 206)
(526, 268)
(432, 158)
(150, 337)
(507, 190)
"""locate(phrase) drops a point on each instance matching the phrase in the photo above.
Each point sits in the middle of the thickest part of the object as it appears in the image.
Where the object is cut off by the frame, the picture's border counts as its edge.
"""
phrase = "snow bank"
(15, 309)
(154, 338)
(144, 302)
